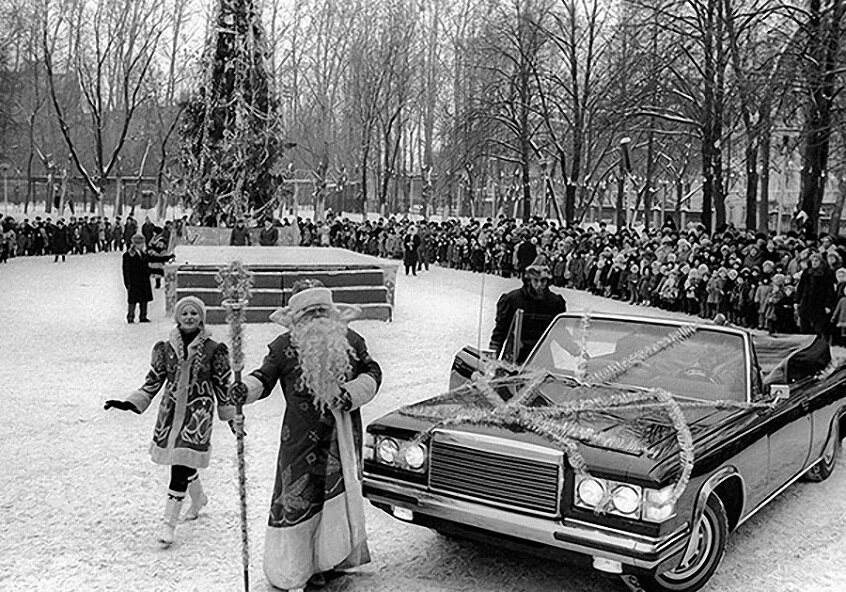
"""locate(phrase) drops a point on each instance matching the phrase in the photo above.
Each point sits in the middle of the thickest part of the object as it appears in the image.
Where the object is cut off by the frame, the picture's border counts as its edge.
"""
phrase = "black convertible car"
(762, 412)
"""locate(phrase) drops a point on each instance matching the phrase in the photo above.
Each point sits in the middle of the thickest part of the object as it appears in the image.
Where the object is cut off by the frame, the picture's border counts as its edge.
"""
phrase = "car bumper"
(649, 554)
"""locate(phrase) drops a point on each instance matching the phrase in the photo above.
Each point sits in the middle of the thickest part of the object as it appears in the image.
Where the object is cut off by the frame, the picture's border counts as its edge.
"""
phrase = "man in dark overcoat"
(60, 241)
(136, 277)
(539, 304)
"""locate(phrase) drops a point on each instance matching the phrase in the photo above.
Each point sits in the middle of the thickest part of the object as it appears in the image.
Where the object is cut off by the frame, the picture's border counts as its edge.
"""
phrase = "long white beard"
(324, 355)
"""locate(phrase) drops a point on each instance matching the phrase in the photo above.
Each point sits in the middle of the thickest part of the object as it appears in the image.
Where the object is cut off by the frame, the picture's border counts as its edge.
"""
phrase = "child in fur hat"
(195, 372)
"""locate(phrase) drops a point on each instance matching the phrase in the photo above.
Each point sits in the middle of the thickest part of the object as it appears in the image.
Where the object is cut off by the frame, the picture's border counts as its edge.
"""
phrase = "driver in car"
(539, 304)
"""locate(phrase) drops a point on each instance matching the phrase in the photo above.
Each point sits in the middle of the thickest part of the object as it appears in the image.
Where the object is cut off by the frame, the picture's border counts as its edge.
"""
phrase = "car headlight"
(626, 499)
(387, 450)
(590, 492)
(657, 506)
(414, 456)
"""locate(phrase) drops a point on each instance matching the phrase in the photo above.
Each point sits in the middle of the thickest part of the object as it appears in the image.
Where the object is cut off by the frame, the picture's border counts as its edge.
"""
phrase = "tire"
(712, 532)
(823, 469)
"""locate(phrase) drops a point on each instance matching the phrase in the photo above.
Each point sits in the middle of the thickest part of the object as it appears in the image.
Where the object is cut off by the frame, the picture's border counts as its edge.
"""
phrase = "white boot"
(171, 517)
(199, 499)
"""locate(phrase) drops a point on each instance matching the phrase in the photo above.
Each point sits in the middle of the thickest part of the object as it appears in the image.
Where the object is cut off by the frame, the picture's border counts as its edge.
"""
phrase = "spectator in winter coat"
(410, 246)
(240, 236)
(269, 235)
(762, 293)
(526, 253)
(60, 241)
(136, 278)
(194, 371)
(148, 229)
(539, 305)
(815, 296)
(838, 319)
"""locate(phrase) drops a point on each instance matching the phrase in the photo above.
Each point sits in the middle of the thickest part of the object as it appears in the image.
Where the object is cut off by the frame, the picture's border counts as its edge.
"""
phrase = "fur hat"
(310, 298)
(539, 269)
(190, 301)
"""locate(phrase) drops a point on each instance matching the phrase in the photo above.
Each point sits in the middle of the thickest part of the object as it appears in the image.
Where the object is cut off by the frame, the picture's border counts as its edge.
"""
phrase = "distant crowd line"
(783, 283)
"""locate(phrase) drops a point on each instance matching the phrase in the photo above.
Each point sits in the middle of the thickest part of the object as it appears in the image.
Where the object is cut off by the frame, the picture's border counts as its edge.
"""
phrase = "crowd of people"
(784, 283)
(83, 234)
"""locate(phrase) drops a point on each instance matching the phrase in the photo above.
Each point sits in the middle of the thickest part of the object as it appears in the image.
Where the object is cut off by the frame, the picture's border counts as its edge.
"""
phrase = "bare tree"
(110, 64)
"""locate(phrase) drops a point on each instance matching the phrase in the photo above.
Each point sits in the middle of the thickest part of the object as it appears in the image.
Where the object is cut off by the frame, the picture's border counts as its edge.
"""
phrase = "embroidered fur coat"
(193, 383)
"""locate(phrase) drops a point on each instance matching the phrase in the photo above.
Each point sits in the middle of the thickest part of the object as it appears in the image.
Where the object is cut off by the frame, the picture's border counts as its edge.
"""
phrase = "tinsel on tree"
(232, 137)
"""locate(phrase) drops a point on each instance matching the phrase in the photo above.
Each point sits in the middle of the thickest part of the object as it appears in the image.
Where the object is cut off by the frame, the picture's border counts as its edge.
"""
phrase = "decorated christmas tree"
(232, 137)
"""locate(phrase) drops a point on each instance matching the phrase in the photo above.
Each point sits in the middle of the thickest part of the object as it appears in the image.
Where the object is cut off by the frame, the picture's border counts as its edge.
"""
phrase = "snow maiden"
(195, 372)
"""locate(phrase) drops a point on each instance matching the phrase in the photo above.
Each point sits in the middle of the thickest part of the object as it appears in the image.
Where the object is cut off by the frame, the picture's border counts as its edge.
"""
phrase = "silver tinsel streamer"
(561, 424)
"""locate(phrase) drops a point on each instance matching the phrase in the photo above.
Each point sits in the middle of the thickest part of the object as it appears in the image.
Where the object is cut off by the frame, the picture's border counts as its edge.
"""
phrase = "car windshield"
(710, 364)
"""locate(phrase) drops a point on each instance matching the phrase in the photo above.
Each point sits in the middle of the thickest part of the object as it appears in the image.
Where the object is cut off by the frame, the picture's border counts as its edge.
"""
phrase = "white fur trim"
(255, 388)
(302, 301)
(292, 554)
(141, 400)
(361, 389)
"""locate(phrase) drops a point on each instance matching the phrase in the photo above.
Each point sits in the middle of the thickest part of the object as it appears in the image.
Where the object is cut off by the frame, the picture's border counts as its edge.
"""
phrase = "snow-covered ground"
(80, 500)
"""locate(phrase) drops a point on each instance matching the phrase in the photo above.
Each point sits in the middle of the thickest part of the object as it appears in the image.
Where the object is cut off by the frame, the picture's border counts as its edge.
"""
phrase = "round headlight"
(414, 456)
(625, 499)
(590, 492)
(387, 450)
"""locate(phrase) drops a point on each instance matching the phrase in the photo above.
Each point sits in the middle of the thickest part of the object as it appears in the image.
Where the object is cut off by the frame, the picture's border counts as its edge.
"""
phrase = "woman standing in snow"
(196, 372)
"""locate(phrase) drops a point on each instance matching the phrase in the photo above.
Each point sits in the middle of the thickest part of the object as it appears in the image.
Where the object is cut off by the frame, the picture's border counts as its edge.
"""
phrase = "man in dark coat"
(269, 235)
(136, 277)
(539, 305)
(240, 236)
(129, 230)
(410, 247)
(526, 253)
(815, 297)
(60, 241)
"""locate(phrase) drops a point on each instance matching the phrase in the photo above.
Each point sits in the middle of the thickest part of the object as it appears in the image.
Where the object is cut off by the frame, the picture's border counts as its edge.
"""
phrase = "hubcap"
(697, 554)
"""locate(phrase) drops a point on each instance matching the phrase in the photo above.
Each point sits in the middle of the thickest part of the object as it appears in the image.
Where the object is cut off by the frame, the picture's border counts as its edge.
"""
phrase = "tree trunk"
(764, 203)
(751, 161)
(834, 227)
(825, 45)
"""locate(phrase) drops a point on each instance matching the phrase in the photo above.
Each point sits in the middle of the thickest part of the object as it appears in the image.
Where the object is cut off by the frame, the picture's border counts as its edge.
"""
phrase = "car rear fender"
(728, 483)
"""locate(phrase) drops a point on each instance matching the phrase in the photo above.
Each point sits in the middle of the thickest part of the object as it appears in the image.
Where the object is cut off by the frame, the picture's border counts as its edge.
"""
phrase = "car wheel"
(831, 452)
(697, 567)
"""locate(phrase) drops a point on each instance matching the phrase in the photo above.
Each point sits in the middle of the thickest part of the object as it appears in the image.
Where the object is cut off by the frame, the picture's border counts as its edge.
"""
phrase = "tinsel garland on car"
(561, 424)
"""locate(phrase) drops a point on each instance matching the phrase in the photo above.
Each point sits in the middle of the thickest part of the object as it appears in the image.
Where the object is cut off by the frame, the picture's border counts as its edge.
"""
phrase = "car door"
(789, 431)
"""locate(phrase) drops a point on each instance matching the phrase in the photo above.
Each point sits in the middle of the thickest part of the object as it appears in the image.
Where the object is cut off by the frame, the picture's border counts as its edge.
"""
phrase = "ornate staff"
(235, 282)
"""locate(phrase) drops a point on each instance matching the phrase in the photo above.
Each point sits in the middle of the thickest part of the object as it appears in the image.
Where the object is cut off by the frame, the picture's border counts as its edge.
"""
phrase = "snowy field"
(80, 501)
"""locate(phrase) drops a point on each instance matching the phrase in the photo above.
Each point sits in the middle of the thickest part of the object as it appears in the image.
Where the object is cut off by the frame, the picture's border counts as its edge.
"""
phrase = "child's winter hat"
(190, 301)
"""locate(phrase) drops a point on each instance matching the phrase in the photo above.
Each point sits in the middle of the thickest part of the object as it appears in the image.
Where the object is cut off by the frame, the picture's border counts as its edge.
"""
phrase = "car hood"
(642, 442)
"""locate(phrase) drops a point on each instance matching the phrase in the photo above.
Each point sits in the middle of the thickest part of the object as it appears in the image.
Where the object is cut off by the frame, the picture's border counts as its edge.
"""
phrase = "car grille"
(494, 478)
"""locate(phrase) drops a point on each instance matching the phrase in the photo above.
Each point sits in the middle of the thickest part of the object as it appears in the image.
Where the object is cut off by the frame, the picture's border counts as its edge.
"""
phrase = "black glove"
(342, 402)
(122, 405)
(238, 393)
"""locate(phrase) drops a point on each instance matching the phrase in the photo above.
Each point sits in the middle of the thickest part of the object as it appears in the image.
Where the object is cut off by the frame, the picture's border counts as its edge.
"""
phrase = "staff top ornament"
(235, 282)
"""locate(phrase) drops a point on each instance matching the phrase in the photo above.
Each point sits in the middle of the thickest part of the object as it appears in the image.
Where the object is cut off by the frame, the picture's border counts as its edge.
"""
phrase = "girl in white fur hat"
(195, 372)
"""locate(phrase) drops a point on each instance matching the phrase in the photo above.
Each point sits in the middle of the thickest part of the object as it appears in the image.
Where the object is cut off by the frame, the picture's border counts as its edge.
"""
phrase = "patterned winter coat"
(193, 385)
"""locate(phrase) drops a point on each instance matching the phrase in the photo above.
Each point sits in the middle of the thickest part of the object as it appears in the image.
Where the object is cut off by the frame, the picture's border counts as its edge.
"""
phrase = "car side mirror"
(779, 392)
